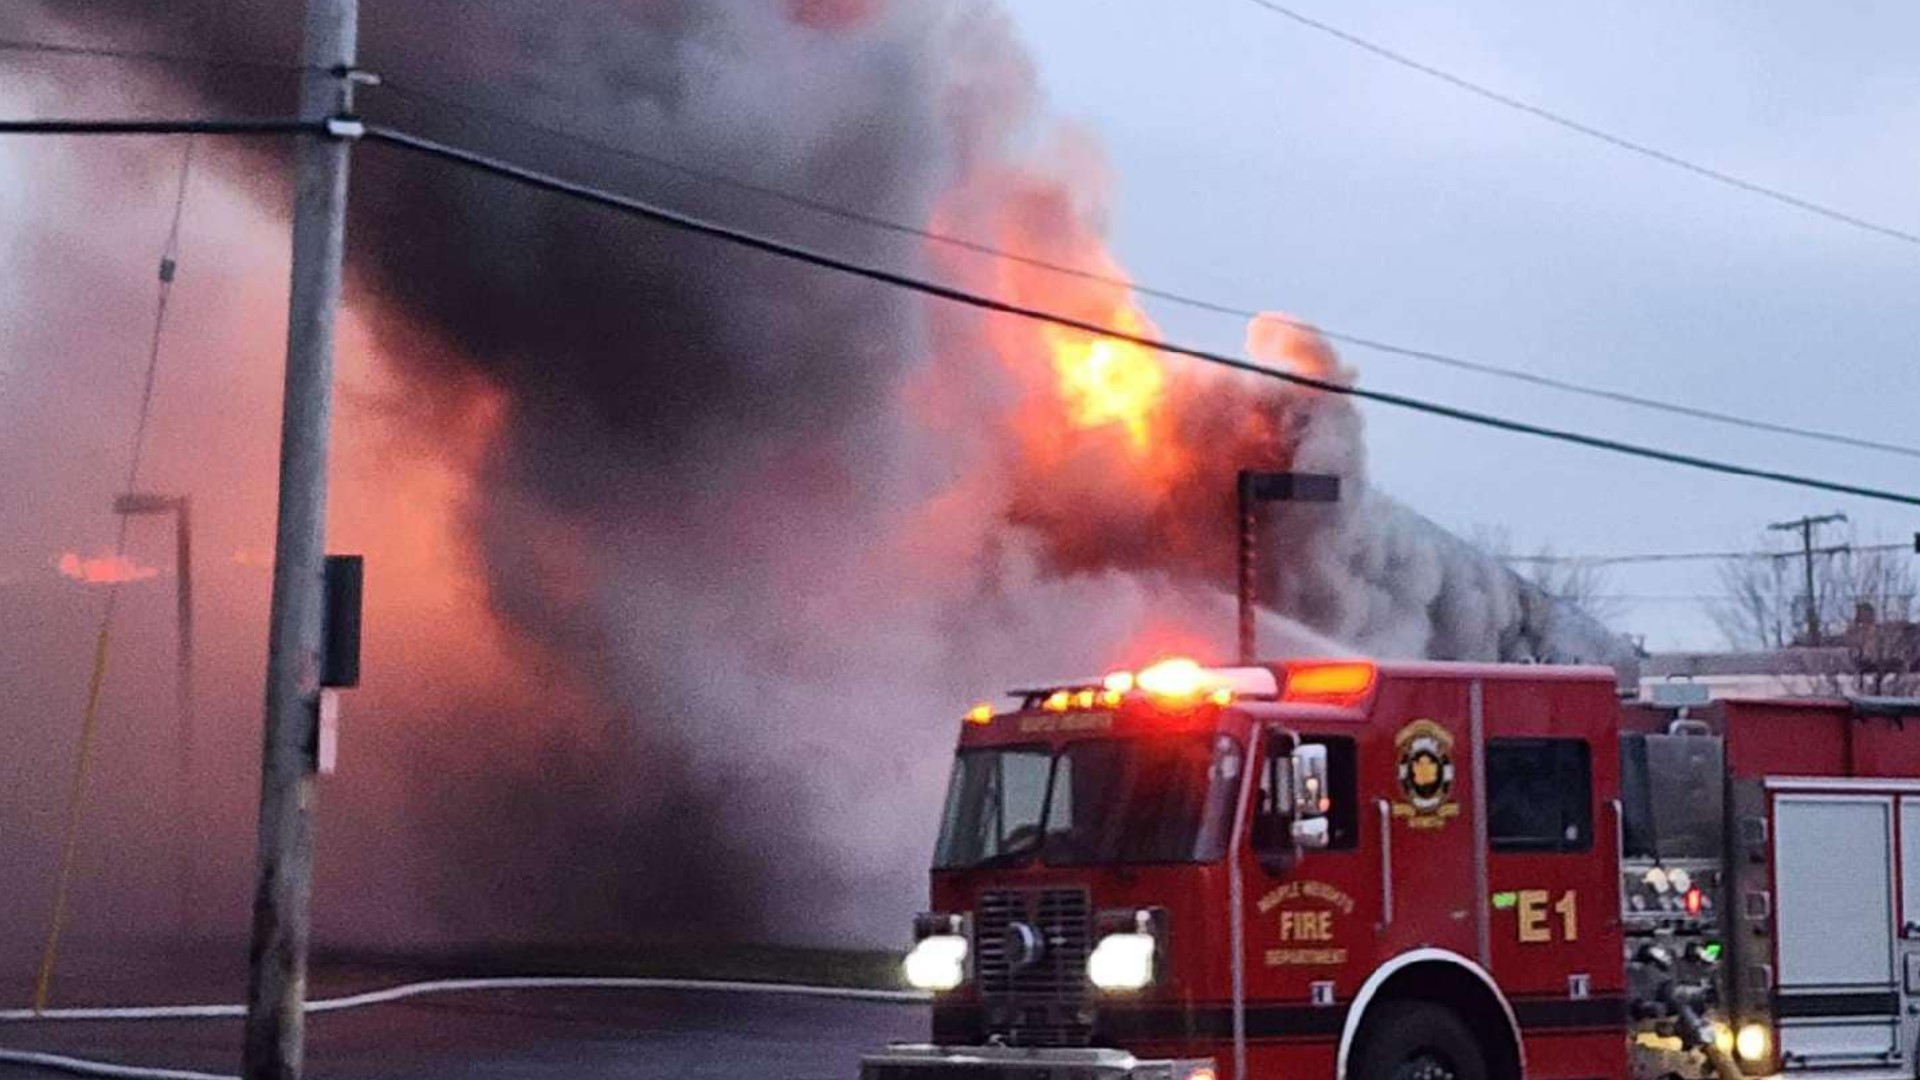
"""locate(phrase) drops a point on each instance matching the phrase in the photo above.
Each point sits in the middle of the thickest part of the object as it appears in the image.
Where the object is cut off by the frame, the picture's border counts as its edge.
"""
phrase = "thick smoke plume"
(683, 559)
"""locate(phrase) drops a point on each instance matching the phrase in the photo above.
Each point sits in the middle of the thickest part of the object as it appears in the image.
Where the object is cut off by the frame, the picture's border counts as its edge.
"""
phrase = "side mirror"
(1310, 833)
(1310, 801)
(1295, 820)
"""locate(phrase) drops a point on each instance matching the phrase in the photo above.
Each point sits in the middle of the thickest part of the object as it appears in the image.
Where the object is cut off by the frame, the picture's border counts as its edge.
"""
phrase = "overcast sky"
(1263, 164)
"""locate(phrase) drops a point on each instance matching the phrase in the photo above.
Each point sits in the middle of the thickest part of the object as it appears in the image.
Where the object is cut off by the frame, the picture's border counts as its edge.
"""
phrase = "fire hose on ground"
(1700, 1032)
(86, 1067)
(1683, 1001)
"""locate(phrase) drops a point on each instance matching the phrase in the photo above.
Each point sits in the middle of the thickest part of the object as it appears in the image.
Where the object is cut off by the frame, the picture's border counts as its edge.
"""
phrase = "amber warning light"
(1345, 683)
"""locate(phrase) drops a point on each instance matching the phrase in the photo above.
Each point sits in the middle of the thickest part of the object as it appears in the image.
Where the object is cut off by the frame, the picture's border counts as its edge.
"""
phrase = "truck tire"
(1416, 1040)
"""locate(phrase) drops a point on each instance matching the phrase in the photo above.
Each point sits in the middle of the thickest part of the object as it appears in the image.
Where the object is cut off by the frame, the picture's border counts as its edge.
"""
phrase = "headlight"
(1122, 962)
(938, 962)
(1754, 1043)
(1723, 1036)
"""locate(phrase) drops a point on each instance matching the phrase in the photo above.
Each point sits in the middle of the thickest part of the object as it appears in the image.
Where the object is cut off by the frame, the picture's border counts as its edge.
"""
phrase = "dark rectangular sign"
(340, 664)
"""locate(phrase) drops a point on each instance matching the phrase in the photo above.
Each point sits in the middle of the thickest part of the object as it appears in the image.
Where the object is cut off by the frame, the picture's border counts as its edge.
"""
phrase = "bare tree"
(1761, 609)
(1881, 639)
(1576, 583)
(1862, 606)
(1569, 581)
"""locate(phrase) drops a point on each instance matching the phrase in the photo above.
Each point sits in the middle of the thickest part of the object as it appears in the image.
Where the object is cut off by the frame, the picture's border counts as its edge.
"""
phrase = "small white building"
(1796, 671)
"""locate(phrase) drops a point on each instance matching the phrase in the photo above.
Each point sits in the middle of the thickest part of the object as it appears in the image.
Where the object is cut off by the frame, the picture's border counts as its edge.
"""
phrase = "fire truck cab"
(1412, 871)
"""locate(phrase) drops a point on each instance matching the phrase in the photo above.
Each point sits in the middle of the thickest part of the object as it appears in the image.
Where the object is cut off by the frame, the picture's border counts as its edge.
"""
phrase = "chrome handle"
(1619, 855)
(1386, 863)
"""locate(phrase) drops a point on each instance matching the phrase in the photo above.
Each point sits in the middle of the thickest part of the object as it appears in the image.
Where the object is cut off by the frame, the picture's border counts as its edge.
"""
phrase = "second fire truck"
(1419, 871)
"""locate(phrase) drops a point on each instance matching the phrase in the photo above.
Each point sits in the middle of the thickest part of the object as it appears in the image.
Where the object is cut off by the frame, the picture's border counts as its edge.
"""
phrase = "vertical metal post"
(1477, 733)
(1243, 489)
(189, 820)
(1251, 489)
(276, 985)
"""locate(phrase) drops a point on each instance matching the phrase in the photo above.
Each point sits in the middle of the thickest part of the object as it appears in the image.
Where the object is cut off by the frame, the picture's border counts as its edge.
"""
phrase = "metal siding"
(1834, 863)
(1833, 857)
(1910, 861)
(1851, 1041)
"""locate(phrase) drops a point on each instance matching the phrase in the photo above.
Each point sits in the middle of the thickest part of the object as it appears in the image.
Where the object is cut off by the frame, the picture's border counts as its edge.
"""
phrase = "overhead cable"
(51, 48)
(1578, 127)
(659, 215)
(244, 126)
(1696, 556)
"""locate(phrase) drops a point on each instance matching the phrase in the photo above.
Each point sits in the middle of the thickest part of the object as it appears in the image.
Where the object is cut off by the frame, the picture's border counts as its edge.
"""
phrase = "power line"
(1619, 142)
(1692, 556)
(1660, 598)
(348, 128)
(658, 215)
(1663, 598)
(1184, 300)
(169, 265)
(248, 126)
(1638, 598)
(49, 48)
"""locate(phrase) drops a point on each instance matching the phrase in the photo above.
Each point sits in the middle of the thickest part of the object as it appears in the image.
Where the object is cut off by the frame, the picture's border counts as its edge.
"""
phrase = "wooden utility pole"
(277, 979)
(1805, 526)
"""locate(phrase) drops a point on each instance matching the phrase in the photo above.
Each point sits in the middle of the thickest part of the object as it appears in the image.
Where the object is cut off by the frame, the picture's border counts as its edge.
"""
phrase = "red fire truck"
(1419, 871)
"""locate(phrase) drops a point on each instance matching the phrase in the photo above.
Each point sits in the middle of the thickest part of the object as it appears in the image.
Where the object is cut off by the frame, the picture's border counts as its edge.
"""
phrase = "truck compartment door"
(1908, 969)
(1835, 997)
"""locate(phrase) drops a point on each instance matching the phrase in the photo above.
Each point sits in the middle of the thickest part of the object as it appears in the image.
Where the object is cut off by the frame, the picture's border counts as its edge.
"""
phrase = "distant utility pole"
(1805, 526)
(277, 979)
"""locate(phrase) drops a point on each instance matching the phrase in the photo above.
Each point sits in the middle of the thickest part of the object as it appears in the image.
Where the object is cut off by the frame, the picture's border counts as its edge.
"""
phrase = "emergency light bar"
(1181, 682)
(1178, 680)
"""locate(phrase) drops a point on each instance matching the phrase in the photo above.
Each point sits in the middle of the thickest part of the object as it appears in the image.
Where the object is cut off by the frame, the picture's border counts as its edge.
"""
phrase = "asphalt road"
(523, 1035)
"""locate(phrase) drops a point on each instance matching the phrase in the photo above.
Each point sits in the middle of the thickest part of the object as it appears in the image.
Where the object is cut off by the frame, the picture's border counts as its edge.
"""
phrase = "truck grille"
(1034, 1000)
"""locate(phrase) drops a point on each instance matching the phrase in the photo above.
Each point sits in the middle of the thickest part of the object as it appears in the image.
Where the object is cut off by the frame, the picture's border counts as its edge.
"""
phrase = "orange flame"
(1113, 455)
(103, 569)
(1094, 395)
(1106, 381)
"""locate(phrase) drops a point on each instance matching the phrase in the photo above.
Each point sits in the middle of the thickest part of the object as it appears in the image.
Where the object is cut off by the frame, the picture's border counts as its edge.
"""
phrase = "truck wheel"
(1413, 1040)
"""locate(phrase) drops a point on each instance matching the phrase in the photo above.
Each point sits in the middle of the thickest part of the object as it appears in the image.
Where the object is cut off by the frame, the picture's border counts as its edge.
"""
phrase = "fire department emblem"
(1426, 775)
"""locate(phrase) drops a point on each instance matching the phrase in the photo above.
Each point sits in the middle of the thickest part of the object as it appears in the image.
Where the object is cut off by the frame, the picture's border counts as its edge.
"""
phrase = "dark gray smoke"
(691, 557)
(691, 438)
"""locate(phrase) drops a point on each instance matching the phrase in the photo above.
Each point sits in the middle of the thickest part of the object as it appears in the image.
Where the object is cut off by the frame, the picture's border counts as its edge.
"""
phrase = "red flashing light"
(1695, 900)
(1345, 683)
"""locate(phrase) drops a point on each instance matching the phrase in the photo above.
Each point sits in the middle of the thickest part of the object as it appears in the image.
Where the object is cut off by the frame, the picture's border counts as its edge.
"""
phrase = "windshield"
(1671, 796)
(1158, 800)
